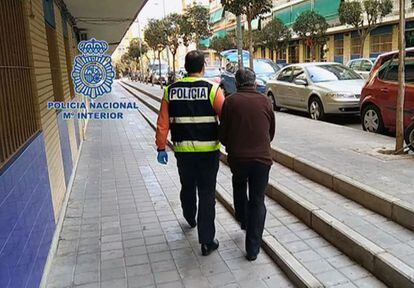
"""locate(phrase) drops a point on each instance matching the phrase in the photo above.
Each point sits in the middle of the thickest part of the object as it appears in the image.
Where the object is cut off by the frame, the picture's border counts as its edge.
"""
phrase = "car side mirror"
(302, 82)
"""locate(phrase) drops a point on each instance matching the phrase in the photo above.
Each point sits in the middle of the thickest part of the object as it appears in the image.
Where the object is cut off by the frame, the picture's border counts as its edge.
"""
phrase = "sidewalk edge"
(59, 224)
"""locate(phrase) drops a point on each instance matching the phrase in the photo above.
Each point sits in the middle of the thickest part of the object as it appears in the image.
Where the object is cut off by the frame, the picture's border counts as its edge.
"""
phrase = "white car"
(317, 88)
(362, 66)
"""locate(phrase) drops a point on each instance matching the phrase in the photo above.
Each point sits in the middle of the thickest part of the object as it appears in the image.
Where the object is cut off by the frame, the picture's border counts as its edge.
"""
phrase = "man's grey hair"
(245, 77)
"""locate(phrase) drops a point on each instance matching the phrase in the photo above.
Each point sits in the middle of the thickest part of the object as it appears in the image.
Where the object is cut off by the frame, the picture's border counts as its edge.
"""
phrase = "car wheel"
(273, 100)
(372, 119)
(315, 108)
(409, 136)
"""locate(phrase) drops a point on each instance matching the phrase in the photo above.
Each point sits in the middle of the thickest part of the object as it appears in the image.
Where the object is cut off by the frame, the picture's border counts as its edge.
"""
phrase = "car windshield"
(212, 72)
(326, 73)
(263, 67)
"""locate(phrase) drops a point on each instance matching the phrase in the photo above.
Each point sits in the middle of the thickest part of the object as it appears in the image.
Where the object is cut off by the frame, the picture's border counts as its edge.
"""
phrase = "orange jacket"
(163, 121)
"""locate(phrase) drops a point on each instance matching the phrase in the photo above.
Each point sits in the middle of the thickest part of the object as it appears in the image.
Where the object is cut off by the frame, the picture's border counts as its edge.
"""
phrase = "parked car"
(317, 88)
(362, 66)
(265, 69)
(213, 73)
(379, 95)
(409, 135)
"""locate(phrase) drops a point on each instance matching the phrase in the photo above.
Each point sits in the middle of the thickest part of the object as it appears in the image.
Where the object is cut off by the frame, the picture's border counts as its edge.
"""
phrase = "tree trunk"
(173, 64)
(159, 69)
(364, 36)
(239, 42)
(249, 28)
(399, 144)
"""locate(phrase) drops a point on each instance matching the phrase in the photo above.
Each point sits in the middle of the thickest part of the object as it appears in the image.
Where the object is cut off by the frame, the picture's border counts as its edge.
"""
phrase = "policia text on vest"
(187, 93)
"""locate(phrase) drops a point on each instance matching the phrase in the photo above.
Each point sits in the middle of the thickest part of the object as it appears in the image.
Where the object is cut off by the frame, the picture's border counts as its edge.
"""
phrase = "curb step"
(288, 263)
(381, 203)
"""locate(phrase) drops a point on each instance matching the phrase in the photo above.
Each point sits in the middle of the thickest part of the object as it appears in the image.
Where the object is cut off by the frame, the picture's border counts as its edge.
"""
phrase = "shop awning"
(104, 19)
(216, 15)
(221, 33)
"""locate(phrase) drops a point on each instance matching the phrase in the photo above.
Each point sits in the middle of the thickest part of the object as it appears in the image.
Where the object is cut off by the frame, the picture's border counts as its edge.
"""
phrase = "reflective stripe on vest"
(196, 146)
(193, 119)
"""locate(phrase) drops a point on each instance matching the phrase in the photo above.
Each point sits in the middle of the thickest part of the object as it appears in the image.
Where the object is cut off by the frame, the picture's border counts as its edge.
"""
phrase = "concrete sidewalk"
(124, 227)
(342, 150)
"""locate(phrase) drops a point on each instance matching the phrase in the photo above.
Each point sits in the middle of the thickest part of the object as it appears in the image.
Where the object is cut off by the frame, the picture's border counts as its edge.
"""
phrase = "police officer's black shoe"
(206, 249)
(251, 257)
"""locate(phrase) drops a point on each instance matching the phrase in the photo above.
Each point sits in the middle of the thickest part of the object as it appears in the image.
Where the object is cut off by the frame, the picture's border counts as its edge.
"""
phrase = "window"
(308, 57)
(381, 43)
(389, 70)
(298, 73)
(293, 54)
(285, 75)
(329, 72)
(281, 54)
(409, 38)
(264, 67)
(18, 117)
(54, 63)
(355, 65)
(339, 47)
(355, 44)
(366, 66)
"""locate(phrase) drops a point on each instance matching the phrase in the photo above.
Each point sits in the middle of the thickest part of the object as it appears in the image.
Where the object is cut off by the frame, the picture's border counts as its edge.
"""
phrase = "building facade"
(343, 42)
(38, 149)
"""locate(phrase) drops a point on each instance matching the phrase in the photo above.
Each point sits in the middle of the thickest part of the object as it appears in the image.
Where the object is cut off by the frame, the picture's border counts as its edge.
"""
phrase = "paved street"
(124, 228)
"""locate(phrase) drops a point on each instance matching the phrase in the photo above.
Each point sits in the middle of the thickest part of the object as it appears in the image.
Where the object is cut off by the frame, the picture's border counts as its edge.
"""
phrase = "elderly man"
(247, 128)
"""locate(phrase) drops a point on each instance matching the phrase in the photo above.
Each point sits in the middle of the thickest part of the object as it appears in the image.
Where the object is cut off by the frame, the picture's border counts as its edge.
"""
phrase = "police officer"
(190, 109)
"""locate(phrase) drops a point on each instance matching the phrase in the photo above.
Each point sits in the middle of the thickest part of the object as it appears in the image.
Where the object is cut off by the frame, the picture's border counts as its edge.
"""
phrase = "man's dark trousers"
(250, 211)
(198, 171)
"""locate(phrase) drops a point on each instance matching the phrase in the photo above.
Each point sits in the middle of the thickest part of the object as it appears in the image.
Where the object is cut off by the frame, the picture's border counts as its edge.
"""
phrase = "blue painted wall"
(26, 218)
(65, 148)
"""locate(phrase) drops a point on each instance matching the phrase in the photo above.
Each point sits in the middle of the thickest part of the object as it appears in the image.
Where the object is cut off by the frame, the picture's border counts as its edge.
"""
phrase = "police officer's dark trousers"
(198, 172)
(250, 210)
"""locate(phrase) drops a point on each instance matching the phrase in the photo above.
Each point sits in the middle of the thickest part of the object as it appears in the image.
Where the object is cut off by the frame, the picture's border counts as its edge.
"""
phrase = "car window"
(389, 70)
(298, 73)
(331, 72)
(366, 66)
(285, 75)
(355, 65)
(409, 71)
(262, 67)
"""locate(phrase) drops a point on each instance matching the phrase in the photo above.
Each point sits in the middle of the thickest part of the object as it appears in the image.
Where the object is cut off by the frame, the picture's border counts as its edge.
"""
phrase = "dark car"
(379, 95)
(265, 69)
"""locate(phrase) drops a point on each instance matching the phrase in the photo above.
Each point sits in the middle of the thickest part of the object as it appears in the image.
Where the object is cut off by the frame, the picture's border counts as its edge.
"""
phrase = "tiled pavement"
(329, 265)
(123, 226)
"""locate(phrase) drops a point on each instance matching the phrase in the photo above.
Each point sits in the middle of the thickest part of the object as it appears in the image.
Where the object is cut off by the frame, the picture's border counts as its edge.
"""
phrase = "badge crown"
(93, 47)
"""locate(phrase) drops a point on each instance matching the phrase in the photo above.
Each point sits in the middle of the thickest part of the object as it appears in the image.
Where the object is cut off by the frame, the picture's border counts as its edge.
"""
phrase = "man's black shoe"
(192, 223)
(206, 249)
(251, 257)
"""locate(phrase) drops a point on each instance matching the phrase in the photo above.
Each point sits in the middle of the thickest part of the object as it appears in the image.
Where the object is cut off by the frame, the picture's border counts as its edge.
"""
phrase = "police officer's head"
(194, 62)
(245, 77)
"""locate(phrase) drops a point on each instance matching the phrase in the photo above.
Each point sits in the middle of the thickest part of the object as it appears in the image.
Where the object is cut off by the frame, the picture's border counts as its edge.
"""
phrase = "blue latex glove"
(162, 157)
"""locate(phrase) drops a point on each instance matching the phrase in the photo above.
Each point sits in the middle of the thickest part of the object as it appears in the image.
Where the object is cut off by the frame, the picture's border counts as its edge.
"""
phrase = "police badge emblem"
(93, 73)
